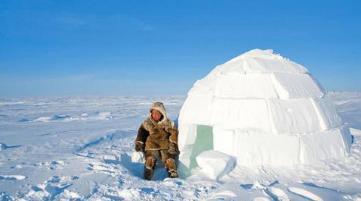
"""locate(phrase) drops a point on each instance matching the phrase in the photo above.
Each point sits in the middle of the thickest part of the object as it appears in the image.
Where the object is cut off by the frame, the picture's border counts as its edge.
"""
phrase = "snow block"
(267, 65)
(252, 148)
(295, 116)
(234, 66)
(198, 109)
(245, 86)
(185, 158)
(314, 149)
(241, 113)
(190, 134)
(296, 86)
(328, 113)
(215, 164)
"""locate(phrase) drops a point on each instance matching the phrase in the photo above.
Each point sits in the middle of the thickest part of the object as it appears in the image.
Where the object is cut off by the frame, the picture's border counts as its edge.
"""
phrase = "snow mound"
(263, 109)
(70, 118)
(215, 164)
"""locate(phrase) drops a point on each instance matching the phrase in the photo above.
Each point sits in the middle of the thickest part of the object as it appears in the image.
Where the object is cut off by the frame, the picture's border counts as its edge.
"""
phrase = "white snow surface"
(91, 159)
(263, 109)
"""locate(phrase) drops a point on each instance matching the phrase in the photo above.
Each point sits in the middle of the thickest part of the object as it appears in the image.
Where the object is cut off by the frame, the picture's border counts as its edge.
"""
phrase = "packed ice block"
(215, 164)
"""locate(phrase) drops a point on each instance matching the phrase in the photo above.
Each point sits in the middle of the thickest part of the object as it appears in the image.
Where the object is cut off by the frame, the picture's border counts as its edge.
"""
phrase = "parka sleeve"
(173, 130)
(142, 135)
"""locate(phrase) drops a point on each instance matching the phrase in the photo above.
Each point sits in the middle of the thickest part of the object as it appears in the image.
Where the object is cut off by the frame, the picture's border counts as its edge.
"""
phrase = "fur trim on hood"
(159, 106)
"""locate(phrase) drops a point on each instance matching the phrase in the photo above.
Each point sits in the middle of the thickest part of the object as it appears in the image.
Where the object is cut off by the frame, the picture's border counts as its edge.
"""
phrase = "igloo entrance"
(203, 142)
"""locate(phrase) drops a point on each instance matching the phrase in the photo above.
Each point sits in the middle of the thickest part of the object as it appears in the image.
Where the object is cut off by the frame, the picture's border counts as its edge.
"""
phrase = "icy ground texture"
(262, 109)
(82, 147)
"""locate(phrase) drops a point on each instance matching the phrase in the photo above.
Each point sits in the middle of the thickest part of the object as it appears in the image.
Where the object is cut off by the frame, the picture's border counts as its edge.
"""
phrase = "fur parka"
(157, 135)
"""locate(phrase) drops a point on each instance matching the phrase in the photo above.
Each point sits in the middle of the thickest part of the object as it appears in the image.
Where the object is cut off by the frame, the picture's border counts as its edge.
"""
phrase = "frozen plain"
(79, 148)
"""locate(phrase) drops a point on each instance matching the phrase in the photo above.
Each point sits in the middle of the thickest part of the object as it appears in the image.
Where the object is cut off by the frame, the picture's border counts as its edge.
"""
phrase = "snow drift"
(262, 109)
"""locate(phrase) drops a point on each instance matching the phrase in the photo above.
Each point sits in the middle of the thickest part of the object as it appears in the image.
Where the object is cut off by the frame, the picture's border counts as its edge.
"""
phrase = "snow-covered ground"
(81, 148)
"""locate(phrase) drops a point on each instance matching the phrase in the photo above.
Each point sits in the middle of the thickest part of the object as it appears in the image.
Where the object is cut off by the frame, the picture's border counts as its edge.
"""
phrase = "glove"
(172, 149)
(139, 146)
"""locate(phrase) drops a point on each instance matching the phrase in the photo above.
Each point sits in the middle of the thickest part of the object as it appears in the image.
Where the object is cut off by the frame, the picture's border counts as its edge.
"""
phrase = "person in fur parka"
(157, 138)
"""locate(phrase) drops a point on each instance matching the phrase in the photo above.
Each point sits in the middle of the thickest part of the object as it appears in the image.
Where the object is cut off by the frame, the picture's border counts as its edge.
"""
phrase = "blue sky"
(88, 47)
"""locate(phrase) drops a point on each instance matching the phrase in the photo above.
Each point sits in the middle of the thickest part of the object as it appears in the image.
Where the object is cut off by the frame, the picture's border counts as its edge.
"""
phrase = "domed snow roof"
(262, 95)
(260, 61)
(259, 74)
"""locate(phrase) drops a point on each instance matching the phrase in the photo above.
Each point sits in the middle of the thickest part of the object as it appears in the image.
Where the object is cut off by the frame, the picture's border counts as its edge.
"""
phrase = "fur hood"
(159, 106)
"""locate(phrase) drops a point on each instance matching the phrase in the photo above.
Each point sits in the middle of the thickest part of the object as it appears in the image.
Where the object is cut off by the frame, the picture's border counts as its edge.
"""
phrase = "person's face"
(156, 115)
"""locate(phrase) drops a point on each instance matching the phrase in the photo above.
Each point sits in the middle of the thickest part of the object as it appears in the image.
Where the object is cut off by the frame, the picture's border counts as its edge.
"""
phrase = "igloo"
(262, 109)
